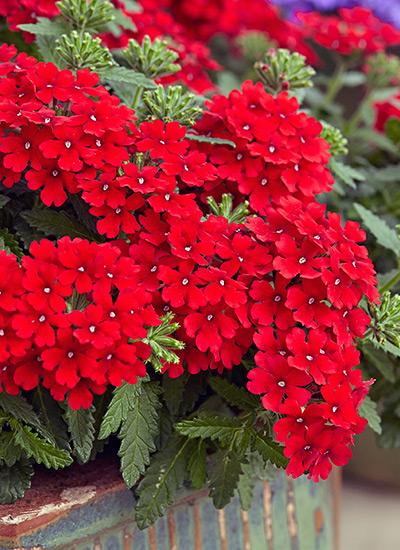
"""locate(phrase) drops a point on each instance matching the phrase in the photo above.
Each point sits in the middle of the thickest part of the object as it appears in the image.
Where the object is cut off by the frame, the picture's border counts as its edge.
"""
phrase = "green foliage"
(384, 235)
(162, 480)
(172, 103)
(392, 129)
(173, 389)
(368, 411)
(4, 200)
(122, 74)
(122, 402)
(383, 70)
(284, 70)
(224, 477)
(138, 432)
(337, 142)
(212, 427)
(344, 173)
(385, 320)
(89, 16)
(233, 395)
(57, 224)
(15, 480)
(46, 27)
(19, 408)
(81, 427)
(225, 209)
(162, 344)
(9, 243)
(10, 452)
(245, 486)
(269, 450)
(49, 413)
(153, 59)
(207, 139)
(197, 465)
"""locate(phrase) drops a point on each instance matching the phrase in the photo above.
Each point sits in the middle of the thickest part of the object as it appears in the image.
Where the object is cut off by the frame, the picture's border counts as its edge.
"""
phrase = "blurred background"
(370, 500)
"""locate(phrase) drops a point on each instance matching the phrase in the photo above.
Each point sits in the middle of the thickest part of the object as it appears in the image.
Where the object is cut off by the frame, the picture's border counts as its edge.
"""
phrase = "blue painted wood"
(295, 514)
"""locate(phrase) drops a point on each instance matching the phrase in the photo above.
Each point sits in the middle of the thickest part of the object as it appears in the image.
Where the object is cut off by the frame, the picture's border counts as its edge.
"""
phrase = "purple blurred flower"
(387, 10)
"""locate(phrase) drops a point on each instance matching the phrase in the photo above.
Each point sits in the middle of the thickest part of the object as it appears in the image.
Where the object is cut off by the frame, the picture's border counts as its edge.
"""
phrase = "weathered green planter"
(89, 508)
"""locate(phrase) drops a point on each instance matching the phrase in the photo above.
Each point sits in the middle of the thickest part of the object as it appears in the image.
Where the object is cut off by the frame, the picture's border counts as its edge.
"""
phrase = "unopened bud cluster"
(238, 215)
(83, 52)
(172, 103)
(284, 70)
(337, 142)
(382, 70)
(153, 59)
(162, 344)
(385, 320)
(89, 16)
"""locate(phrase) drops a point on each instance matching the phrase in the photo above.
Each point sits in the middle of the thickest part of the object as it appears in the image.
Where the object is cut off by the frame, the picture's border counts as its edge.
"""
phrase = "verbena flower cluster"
(288, 279)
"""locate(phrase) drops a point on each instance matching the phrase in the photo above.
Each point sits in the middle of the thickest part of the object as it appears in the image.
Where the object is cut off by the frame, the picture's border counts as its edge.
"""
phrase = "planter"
(89, 508)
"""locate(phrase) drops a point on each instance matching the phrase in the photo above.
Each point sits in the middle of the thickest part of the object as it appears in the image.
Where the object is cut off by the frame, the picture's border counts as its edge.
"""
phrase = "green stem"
(137, 98)
(334, 85)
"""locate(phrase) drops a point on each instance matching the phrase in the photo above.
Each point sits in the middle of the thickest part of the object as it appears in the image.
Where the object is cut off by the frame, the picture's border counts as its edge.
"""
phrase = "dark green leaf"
(9, 243)
(235, 396)
(195, 388)
(9, 451)
(19, 408)
(138, 432)
(81, 427)
(198, 464)
(224, 477)
(173, 389)
(368, 411)
(162, 480)
(37, 447)
(212, 140)
(212, 427)
(165, 427)
(123, 400)
(47, 27)
(269, 450)
(14, 481)
(57, 224)
(345, 173)
(50, 416)
(384, 235)
(245, 487)
(122, 74)
(4, 200)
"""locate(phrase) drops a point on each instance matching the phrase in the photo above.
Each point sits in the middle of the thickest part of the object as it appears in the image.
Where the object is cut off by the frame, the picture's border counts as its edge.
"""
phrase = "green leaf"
(4, 200)
(198, 464)
(212, 140)
(122, 401)
(368, 411)
(345, 173)
(81, 426)
(224, 477)
(165, 427)
(10, 453)
(384, 235)
(235, 396)
(390, 348)
(390, 436)
(369, 136)
(50, 416)
(15, 480)
(47, 49)
(37, 447)
(162, 480)
(122, 74)
(9, 243)
(57, 224)
(210, 426)
(379, 360)
(138, 432)
(269, 449)
(173, 389)
(245, 487)
(19, 408)
(353, 78)
(47, 27)
(392, 129)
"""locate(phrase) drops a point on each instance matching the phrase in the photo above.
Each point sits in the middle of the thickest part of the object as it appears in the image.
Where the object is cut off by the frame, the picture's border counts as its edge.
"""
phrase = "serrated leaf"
(138, 432)
(19, 408)
(195, 388)
(224, 477)
(269, 449)
(212, 427)
(380, 361)
(36, 447)
(197, 465)
(384, 235)
(367, 410)
(81, 427)
(235, 396)
(120, 20)
(10, 453)
(345, 173)
(57, 224)
(212, 140)
(14, 481)
(165, 427)
(4, 200)
(173, 389)
(162, 480)
(122, 74)
(47, 27)
(245, 487)
(47, 49)
(50, 415)
(122, 401)
(9, 243)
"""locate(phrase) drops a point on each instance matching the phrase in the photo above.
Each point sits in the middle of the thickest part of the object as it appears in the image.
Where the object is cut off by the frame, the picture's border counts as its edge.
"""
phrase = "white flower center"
(281, 383)
(185, 281)
(27, 145)
(302, 260)
(70, 354)
(105, 187)
(47, 290)
(209, 317)
(67, 144)
(92, 328)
